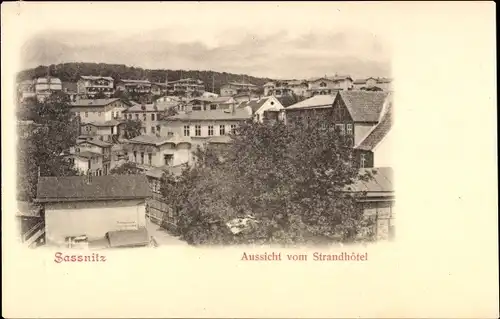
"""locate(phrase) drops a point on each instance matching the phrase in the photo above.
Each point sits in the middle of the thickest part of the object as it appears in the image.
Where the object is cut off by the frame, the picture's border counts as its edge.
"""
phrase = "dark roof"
(77, 188)
(382, 183)
(379, 132)
(239, 114)
(364, 106)
(93, 103)
(128, 238)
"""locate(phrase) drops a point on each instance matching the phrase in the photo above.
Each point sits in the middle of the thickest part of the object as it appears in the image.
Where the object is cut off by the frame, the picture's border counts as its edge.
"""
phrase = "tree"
(121, 95)
(54, 131)
(132, 128)
(291, 178)
(171, 111)
(128, 168)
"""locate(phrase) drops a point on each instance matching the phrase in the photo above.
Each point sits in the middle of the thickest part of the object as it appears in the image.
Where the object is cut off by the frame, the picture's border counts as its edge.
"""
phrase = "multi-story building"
(203, 125)
(92, 156)
(88, 86)
(325, 85)
(98, 110)
(134, 86)
(188, 86)
(379, 84)
(159, 151)
(282, 88)
(107, 131)
(234, 88)
(150, 115)
(364, 116)
(45, 86)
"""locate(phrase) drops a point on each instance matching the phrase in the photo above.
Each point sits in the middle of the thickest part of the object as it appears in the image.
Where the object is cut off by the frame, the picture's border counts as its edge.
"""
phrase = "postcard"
(249, 160)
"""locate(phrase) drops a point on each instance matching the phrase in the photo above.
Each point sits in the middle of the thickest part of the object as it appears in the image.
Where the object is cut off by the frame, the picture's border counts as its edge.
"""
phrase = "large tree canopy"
(54, 131)
(291, 179)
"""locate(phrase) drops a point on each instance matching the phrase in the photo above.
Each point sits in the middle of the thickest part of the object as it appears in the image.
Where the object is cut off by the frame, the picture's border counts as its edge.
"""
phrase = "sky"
(275, 41)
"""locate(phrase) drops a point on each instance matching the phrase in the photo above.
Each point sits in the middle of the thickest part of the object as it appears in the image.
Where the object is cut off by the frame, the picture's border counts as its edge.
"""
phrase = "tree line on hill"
(70, 72)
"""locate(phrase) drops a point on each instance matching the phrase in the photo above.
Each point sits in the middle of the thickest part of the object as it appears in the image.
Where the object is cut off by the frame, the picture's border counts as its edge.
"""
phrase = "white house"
(155, 151)
(266, 108)
(91, 206)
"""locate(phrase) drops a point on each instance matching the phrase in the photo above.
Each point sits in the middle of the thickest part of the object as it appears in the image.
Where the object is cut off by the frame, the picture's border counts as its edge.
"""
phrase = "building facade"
(382, 84)
(150, 115)
(74, 208)
(45, 86)
(139, 87)
(98, 110)
(189, 86)
(234, 88)
(88, 86)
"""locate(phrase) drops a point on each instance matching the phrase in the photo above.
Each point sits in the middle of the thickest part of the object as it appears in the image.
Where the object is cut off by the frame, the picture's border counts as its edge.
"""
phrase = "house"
(318, 105)
(377, 201)
(208, 103)
(93, 156)
(71, 89)
(149, 115)
(88, 86)
(264, 109)
(98, 110)
(45, 86)
(234, 88)
(188, 86)
(159, 89)
(91, 206)
(371, 83)
(105, 131)
(139, 87)
(376, 148)
(326, 85)
(202, 125)
(152, 151)
(286, 87)
(25, 90)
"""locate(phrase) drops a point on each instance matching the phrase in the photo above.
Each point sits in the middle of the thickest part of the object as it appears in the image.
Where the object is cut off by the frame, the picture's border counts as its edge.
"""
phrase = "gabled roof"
(77, 188)
(381, 184)
(98, 77)
(379, 132)
(254, 104)
(364, 106)
(93, 103)
(317, 101)
(238, 114)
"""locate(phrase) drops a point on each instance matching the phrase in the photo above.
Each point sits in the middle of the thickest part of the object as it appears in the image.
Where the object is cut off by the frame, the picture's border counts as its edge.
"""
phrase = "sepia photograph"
(249, 159)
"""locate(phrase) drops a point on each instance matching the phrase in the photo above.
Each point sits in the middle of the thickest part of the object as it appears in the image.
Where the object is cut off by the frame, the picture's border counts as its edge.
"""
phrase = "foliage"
(171, 111)
(132, 128)
(100, 95)
(70, 72)
(54, 131)
(128, 168)
(290, 99)
(291, 179)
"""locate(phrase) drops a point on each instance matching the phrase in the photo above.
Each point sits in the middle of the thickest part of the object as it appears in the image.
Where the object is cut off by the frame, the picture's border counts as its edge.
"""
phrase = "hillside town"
(141, 154)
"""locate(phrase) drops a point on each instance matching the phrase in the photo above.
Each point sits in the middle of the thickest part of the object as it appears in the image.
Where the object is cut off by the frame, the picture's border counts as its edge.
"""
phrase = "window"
(135, 156)
(130, 116)
(112, 130)
(186, 130)
(137, 116)
(363, 160)
(144, 117)
(150, 158)
(142, 157)
(349, 129)
(152, 117)
(158, 128)
(340, 127)
(170, 134)
(153, 129)
(197, 130)
(322, 84)
(169, 159)
(213, 106)
(210, 130)
(86, 114)
(233, 127)
(222, 130)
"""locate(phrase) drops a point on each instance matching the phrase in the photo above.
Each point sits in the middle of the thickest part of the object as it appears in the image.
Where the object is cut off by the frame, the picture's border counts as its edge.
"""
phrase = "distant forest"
(70, 72)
